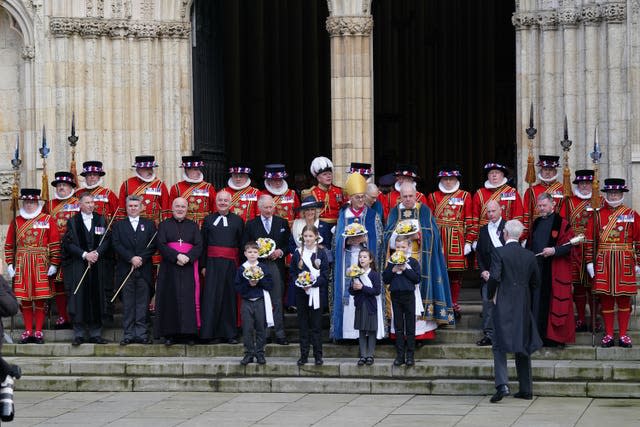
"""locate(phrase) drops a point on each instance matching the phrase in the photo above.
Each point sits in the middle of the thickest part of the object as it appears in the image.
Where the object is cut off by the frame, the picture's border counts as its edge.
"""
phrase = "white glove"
(52, 270)
(474, 244)
(11, 271)
(637, 270)
(467, 249)
(591, 271)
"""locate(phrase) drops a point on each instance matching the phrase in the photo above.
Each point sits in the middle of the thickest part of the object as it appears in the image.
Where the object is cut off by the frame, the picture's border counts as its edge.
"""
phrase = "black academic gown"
(88, 304)
(176, 288)
(218, 296)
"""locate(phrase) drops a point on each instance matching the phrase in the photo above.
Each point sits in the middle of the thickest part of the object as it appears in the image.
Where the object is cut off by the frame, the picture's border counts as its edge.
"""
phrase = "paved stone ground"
(296, 409)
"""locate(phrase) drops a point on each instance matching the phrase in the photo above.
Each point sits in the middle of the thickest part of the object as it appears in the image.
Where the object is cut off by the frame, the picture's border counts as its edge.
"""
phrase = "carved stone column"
(351, 91)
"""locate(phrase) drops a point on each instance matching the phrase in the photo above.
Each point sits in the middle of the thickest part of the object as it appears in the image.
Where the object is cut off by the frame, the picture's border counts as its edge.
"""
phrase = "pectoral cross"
(180, 241)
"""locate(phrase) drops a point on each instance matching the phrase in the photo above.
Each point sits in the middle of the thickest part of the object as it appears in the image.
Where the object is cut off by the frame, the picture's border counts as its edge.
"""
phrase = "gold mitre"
(356, 184)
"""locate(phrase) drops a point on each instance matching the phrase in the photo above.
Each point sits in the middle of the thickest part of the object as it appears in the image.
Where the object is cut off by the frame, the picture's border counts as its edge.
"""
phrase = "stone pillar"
(351, 91)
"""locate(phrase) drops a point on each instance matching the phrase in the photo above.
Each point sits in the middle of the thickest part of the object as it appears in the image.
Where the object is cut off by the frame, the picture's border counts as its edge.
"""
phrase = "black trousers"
(310, 324)
(404, 322)
(135, 302)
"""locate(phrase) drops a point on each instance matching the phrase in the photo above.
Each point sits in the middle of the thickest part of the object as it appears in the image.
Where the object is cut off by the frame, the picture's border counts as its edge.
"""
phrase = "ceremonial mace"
(530, 177)
(44, 152)
(73, 139)
(566, 172)
(15, 164)
(595, 155)
(131, 271)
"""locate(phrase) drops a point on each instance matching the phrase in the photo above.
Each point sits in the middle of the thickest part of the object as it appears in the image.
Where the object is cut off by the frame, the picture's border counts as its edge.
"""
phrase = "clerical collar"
(548, 181)
(490, 186)
(91, 187)
(65, 198)
(193, 181)
(453, 190)
(276, 191)
(37, 212)
(238, 187)
(153, 176)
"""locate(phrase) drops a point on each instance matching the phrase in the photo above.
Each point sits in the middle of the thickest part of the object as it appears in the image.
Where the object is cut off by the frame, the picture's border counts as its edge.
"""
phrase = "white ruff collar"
(616, 203)
(238, 188)
(490, 186)
(453, 190)
(276, 192)
(25, 215)
(397, 185)
(550, 180)
(579, 195)
(193, 181)
(91, 187)
(153, 176)
(65, 198)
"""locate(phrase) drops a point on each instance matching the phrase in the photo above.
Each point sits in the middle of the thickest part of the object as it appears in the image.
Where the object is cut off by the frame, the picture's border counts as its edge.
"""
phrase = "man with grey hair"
(513, 277)
(268, 225)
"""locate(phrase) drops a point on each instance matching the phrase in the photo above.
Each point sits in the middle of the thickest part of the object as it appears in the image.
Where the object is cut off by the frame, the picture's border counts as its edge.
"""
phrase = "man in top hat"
(403, 173)
(154, 193)
(244, 197)
(200, 195)
(548, 176)
(577, 210)
(32, 249)
(347, 249)
(105, 200)
(62, 208)
(453, 211)
(495, 188)
(612, 248)
(285, 199)
(324, 191)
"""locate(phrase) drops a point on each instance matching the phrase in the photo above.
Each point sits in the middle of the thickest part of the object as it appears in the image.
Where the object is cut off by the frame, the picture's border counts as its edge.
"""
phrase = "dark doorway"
(444, 85)
(261, 84)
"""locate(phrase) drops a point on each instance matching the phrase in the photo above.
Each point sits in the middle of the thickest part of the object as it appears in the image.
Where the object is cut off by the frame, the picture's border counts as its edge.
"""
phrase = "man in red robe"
(285, 199)
(244, 197)
(200, 195)
(548, 176)
(324, 191)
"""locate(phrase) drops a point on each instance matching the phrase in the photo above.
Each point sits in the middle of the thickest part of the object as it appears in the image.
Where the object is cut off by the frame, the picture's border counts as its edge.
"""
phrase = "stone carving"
(569, 16)
(116, 8)
(89, 8)
(6, 182)
(91, 27)
(183, 9)
(548, 20)
(614, 12)
(524, 19)
(349, 25)
(591, 14)
(127, 9)
(100, 9)
(28, 53)
(146, 9)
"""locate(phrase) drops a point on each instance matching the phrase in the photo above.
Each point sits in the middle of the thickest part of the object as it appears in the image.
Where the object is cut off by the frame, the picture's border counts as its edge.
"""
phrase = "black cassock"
(218, 302)
(176, 288)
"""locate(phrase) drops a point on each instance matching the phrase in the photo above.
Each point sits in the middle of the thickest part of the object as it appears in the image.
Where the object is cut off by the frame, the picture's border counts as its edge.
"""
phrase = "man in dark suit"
(268, 225)
(490, 237)
(134, 242)
(513, 276)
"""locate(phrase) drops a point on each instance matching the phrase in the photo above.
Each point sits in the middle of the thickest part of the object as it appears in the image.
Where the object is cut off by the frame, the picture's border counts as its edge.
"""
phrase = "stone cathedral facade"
(124, 68)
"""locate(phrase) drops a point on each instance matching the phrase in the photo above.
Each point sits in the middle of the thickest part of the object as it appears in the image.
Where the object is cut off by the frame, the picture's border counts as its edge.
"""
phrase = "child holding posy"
(253, 282)
(309, 274)
(365, 290)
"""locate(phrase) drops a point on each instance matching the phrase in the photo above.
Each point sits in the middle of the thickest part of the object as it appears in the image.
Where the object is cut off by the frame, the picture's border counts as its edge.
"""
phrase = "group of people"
(384, 264)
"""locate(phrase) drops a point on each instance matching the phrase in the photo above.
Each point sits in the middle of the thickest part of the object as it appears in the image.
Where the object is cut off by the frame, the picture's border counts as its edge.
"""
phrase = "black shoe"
(246, 360)
(369, 361)
(398, 362)
(232, 341)
(77, 341)
(522, 395)
(98, 340)
(126, 341)
(362, 361)
(144, 340)
(303, 360)
(319, 361)
(292, 309)
(484, 341)
(282, 341)
(502, 391)
(63, 325)
(457, 315)
(38, 338)
(260, 359)
(410, 361)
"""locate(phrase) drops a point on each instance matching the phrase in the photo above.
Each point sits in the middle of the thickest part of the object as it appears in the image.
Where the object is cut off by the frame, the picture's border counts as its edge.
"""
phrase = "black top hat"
(192, 162)
(495, 166)
(449, 170)
(29, 194)
(64, 177)
(583, 175)
(275, 171)
(407, 170)
(548, 161)
(92, 166)
(240, 168)
(615, 184)
(310, 202)
(363, 169)
(145, 162)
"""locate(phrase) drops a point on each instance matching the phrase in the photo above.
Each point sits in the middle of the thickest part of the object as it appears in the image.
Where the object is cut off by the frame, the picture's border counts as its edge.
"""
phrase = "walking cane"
(86, 270)
(131, 271)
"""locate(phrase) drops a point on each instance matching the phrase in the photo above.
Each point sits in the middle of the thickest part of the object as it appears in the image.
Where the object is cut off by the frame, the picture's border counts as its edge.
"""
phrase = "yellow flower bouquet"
(354, 229)
(305, 279)
(398, 257)
(253, 272)
(405, 228)
(355, 271)
(266, 247)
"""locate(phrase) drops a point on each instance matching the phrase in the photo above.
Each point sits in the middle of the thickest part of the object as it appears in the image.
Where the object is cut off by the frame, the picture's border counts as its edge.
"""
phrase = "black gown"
(176, 288)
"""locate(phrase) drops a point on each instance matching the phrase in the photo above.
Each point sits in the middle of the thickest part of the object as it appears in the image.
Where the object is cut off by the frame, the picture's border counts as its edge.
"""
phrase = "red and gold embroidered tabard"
(285, 204)
(105, 200)
(37, 247)
(155, 199)
(201, 199)
(531, 198)
(454, 216)
(244, 203)
(332, 198)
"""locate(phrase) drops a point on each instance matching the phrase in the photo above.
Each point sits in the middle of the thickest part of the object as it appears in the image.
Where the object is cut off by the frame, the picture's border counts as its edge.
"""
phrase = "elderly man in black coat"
(514, 274)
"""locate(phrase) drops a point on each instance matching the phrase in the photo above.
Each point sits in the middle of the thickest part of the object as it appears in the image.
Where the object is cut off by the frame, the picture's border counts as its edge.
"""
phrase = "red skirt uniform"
(244, 203)
(61, 212)
(37, 246)
(201, 199)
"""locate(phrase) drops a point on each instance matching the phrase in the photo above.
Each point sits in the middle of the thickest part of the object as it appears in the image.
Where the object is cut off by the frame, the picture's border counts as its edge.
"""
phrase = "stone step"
(426, 352)
(206, 367)
(312, 384)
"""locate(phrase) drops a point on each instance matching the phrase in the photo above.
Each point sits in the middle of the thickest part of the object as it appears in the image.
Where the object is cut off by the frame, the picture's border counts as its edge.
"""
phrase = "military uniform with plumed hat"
(285, 199)
(31, 248)
(244, 197)
(200, 195)
(453, 210)
(154, 193)
(329, 194)
(549, 185)
(391, 199)
(614, 266)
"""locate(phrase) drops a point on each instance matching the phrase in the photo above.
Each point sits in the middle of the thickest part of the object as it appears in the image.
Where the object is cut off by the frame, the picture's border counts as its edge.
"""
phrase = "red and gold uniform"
(333, 199)
(617, 235)
(508, 198)
(285, 200)
(201, 199)
(155, 198)
(244, 203)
